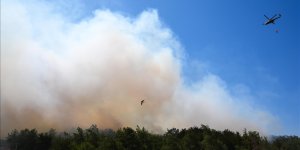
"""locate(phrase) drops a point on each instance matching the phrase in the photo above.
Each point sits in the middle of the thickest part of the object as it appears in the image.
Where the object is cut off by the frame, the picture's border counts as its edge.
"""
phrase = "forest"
(193, 138)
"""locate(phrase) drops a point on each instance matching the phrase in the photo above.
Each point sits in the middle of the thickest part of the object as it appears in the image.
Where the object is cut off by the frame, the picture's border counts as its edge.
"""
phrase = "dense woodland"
(194, 138)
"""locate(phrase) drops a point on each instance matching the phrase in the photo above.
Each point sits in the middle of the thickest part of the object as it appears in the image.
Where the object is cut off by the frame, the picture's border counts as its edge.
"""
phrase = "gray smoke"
(56, 73)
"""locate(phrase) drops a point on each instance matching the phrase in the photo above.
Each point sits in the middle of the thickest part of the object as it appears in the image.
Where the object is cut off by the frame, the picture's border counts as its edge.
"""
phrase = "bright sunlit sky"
(228, 39)
(224, 38)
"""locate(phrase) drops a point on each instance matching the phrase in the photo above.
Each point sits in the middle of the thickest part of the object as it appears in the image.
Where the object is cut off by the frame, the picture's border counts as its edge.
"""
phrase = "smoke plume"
(59, 73)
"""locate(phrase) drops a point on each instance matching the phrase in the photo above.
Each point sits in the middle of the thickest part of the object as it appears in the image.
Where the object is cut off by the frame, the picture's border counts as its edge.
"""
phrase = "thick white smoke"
(56, 73)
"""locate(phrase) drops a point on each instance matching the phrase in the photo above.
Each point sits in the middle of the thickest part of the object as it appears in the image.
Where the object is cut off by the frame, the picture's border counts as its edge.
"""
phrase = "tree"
(287, 142)
(44, 141)
(251, 140)
(231, 140)
(25, 139)
(13, 140)
(171, 140)
(128, 138)
(62, 142)
(93, 135)
(194, 138)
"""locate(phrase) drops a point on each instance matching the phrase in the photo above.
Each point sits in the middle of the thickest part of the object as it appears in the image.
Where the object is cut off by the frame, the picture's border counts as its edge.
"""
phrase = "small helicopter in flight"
(272, 20)
(142, 102)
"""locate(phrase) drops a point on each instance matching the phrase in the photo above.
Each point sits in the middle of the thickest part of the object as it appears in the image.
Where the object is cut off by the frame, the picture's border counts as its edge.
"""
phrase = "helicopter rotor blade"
(279, 15)
(274, 16)
(267, 17)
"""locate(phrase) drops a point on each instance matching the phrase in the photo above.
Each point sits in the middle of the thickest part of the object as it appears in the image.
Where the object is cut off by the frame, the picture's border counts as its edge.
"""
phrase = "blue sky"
(228, 38)
(234, 69)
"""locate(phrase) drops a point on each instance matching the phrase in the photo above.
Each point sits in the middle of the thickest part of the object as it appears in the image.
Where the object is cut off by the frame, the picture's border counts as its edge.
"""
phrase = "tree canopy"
(193, 138)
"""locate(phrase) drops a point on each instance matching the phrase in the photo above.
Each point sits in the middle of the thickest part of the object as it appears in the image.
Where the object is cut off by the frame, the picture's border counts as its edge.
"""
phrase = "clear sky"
(227, 50)
(228, 39)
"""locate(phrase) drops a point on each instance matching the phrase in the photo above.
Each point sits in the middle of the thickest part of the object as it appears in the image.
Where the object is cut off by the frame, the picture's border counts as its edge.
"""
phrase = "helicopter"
(272, 20)
(142, 102)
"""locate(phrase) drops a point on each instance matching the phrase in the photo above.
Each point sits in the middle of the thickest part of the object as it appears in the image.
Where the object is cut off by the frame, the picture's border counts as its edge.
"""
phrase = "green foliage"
(194, 138)
(128, 138)
(30, 139)
(287, 143)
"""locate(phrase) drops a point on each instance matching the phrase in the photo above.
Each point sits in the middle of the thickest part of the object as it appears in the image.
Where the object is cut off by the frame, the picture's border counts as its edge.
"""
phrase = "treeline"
(194, 138)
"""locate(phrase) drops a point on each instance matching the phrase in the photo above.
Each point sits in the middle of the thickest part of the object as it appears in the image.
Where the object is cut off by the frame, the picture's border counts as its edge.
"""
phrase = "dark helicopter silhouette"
(272, 20)
(142, 102)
